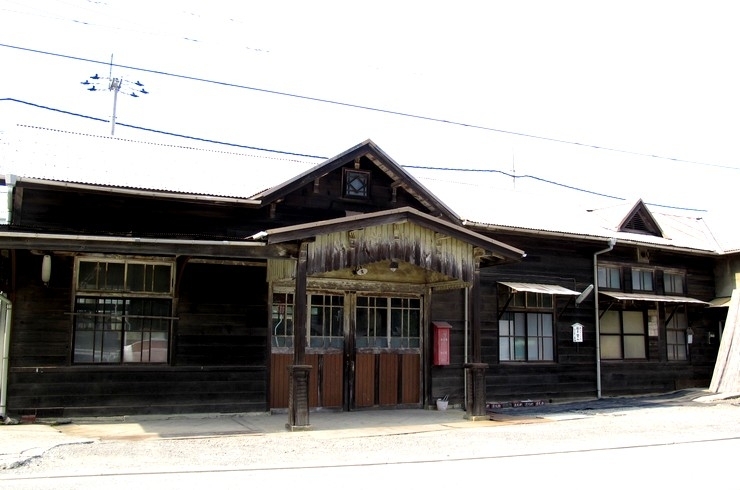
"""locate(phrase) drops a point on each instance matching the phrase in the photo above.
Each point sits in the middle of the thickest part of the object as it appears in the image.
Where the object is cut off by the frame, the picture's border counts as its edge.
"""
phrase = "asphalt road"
(657, 442)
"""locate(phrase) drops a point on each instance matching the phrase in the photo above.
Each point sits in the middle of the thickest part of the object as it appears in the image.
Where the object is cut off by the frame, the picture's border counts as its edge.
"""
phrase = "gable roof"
(257, 178)
(385, 163)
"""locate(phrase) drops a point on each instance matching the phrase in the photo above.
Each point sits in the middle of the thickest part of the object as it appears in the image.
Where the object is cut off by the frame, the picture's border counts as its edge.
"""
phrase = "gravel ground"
(548, 429)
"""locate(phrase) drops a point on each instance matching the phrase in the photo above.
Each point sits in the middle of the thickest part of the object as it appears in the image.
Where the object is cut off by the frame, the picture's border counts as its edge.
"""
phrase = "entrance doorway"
(365, 350)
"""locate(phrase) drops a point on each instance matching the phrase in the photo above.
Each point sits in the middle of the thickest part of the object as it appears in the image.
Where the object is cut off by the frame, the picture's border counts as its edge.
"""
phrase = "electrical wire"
(420, 167)
(370, 108)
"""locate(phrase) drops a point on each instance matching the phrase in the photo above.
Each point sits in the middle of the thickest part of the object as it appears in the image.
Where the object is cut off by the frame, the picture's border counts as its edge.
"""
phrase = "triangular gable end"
(371, 152)
(640, 220)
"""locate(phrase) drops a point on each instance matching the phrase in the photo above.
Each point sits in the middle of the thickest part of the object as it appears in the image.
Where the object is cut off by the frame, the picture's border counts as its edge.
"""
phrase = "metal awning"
(652, 297)
(539, 288)
(721, 301)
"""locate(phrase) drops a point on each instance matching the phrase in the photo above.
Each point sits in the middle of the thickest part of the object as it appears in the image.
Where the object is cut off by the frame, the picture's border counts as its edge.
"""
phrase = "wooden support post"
(475, 371)
(475, 380)
(299, 371)
(298, 398)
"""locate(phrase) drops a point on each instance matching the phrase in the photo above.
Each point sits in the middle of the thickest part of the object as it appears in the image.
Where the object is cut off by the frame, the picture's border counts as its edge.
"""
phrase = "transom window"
(642, 280)
(122, 311)
(144, 277)
(622, 335)
(356, 183)
(388, 322)
(609, 277)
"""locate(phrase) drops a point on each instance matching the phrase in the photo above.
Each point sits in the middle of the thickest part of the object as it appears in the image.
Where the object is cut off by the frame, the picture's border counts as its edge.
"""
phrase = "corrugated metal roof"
(199, 169)
(486, 201)
(489, 204)
(539, 288)
(652, 297)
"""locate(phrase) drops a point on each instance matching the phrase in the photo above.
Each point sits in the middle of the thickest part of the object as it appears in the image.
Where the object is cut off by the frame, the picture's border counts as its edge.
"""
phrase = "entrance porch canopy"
(403, 234)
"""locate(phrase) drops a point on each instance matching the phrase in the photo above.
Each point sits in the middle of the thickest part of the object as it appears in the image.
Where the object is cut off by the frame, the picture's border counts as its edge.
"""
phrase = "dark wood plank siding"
(73, 211)
(573, 373)
(328, 201)
(41, 334)
(223, 316)
(449, 306)
(225, 327)
(103, 391)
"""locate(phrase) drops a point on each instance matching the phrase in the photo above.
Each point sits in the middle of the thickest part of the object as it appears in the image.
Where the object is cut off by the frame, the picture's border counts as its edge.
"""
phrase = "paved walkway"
(22, 442)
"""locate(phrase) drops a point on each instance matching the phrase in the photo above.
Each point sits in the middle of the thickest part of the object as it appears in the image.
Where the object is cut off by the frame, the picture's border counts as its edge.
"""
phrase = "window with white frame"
(676, 327)
(526, 329)
(388, 323)
(622, 335)
(123, 311)
(609, 277)
(642, 279)
(327, 321)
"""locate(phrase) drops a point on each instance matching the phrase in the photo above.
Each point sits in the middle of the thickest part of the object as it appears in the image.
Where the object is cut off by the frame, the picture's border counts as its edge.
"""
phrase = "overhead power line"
(374, 109)
(194, 138)
(236, 145)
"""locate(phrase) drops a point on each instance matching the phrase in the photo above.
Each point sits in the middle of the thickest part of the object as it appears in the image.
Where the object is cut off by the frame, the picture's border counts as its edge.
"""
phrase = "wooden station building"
(346, 285)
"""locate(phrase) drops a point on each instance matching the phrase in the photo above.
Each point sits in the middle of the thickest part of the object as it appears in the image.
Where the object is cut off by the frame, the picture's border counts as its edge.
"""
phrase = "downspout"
(611, 243)
(6, 311)
(465, 361)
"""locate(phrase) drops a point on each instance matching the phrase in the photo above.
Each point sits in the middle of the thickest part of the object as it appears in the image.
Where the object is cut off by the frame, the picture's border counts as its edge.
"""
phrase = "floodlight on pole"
(96, 83)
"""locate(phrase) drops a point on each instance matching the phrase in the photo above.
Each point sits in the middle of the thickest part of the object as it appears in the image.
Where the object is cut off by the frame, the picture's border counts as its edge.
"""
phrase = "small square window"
(642, 280)
(356, 184)
(674, 283)
(609, 277)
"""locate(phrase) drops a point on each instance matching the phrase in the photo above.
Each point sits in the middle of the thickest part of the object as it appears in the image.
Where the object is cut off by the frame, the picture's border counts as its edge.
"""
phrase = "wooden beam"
(150, 247)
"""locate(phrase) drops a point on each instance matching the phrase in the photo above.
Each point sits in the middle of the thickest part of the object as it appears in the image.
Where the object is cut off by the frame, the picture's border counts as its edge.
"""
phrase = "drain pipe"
(611, 243)
(465, 361)
(6, 311)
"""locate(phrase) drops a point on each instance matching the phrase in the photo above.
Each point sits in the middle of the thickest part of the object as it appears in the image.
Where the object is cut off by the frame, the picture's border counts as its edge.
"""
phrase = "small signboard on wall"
(577, 332)
(653, 323)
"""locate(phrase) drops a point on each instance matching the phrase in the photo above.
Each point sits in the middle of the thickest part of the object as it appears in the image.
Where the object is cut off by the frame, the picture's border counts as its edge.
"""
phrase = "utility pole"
(115, 85)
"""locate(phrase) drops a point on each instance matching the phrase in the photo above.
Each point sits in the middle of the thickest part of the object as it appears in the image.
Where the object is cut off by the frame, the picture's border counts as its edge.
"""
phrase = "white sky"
(643, 77)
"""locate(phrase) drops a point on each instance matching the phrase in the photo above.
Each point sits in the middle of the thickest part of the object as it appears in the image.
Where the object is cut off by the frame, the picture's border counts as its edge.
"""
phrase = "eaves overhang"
(589, 237)
(134, 191)
(135, 245)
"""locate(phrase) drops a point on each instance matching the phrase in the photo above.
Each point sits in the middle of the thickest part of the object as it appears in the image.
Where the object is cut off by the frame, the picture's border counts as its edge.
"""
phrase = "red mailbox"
(441, 332)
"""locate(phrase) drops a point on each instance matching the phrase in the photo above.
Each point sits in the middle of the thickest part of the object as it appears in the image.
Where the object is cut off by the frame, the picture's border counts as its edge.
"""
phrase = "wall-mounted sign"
(577, 332)
(653, 323)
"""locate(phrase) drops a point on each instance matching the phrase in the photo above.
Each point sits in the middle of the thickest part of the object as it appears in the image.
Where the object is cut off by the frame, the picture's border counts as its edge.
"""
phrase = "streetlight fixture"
(115, 85)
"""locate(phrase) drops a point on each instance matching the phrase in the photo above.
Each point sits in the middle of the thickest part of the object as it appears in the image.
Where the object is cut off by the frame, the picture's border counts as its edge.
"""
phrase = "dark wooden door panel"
(332, 380)
(364, 380)
(410, 369)
(324, 380)
(388, 379)
(279, 380)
